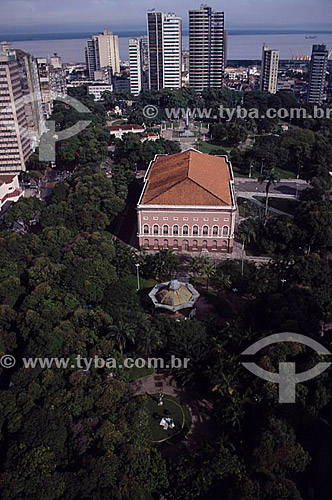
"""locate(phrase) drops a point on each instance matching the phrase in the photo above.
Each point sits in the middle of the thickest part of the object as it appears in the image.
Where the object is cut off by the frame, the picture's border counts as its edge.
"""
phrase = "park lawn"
(132, 280)
(171, 407)
(207, 147)
(137, 373)
(286, 205)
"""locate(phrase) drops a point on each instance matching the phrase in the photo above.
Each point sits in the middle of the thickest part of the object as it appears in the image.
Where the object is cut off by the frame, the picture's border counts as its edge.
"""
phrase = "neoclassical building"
(187, 204)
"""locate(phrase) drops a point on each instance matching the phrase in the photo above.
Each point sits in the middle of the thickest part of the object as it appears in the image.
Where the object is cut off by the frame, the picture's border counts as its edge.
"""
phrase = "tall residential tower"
(269, 70)
(206, 48)
(102, 51)
(165, 48)
(317, 77)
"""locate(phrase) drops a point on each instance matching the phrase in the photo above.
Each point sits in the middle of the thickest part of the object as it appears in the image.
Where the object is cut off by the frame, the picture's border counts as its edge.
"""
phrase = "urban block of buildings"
(187, 204)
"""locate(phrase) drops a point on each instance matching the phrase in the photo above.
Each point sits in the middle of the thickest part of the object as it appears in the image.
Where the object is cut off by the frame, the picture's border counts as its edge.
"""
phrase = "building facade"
(206, 48)
(317, 77)
(165, 50)
(269, 70)
(188, 204)
(15, 146)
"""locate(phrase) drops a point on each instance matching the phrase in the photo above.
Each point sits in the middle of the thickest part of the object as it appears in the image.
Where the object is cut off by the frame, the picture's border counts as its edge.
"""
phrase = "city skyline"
(40, 15)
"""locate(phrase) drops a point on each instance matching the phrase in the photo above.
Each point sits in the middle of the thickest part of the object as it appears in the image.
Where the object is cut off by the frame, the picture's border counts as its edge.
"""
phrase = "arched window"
(146, 243)
(204, 244)
(175, 230)
(195, 245)
(225, 231)
(215, 230)
(185, 245)
(146, 229)
(195, 230)
(165, 243)
(185, 230)
(165, 229)
(156, 229)
(156, 244)
(214, 245)
(224, 246)
(175, 244)
(205, 230)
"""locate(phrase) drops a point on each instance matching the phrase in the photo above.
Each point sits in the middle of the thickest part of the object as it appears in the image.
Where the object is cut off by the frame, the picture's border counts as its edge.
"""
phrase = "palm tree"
(246, 232)
(271, 177)
(208, 271)
(198, 263)
(122, 332)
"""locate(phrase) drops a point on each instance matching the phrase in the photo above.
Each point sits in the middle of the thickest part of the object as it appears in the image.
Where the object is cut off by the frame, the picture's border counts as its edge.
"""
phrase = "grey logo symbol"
(49, 138)
(50, 135)
(286, 378)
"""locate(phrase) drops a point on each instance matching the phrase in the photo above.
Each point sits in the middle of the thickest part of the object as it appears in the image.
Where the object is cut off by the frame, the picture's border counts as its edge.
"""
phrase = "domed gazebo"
(175, 296)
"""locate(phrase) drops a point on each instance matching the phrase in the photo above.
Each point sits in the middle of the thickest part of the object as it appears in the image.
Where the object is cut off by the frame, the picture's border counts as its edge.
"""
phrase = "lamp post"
(137, 272)
(298, 171)
(250, 168)
(262, 165)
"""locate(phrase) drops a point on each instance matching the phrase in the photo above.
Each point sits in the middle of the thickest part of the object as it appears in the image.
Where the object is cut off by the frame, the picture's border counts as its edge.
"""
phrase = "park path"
(201, 409)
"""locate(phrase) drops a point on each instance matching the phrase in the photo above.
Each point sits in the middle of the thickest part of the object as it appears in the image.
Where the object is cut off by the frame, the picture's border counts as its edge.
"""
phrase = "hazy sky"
(80, 15)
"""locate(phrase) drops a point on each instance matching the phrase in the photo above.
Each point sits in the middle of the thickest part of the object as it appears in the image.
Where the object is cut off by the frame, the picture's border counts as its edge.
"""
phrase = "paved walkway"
(201, 409)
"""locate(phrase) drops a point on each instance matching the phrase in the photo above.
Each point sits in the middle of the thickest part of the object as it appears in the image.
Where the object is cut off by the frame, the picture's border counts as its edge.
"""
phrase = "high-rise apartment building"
(317, 78)
(165, 49)
(135, 66)
(45, 86)
(269, 70)
(138, 64)
(15, 146)
(102, 51)
(206, 48)
(32, 97)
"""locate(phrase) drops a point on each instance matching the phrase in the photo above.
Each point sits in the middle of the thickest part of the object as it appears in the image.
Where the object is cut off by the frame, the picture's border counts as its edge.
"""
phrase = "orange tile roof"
(188, 178)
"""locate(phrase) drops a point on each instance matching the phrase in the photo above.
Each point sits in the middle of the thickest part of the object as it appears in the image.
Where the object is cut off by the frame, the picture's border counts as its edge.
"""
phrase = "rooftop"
(188, 178)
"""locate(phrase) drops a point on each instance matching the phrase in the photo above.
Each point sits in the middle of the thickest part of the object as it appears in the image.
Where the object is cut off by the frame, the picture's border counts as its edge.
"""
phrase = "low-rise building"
(119, 130)
(188, 204)
(98, 89)
(9, 189)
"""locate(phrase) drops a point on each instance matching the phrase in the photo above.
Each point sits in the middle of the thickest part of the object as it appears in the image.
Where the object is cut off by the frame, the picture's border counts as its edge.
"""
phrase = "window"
(185, 218)
(155, 229)
(146, 243)
(165, 244)
(206, 218)
(225, 230)
(195, 218)
(146, 229)
(204, 244)
(195, 230)
(165, 229)
(165, 218)
(175, 244)
(185, 245)
(185, 230)
(205, 230)
(195, 245)
(175, 230)
(215, 230)
(156, 244)
(214, 245)
(224, 246)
